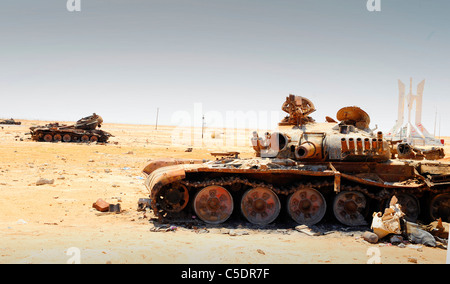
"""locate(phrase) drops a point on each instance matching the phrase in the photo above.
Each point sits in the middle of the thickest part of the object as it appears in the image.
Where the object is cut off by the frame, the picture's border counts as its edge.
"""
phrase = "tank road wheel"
(93, 139)
(48, 138)
(307, 206)
(173, 197)
(66, 138)
(348, 208)
(440, 207)
(213, 204)
(260, 206)
(84, 138)
(409, 205)
(57, 138)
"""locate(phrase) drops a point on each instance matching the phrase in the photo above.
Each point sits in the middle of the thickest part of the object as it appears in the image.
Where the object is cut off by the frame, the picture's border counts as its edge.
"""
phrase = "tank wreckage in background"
(84, 130)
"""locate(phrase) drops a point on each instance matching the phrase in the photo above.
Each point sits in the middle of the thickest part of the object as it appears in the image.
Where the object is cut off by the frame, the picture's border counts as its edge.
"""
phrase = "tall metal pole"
(157, 114)
(439, 126)
(435, 118)
(203, 124)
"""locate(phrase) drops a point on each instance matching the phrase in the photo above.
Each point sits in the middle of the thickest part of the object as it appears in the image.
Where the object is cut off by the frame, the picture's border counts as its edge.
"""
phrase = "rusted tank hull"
(61, 135)
(304, 168)
(10, 122)
(340, 183)
(84, 130)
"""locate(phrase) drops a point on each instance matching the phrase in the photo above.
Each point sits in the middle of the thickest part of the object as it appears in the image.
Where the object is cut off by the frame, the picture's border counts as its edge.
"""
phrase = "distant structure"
(413, 133)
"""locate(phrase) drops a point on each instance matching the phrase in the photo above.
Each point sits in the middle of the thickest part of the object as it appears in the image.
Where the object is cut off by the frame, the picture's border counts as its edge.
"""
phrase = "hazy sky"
(124, 59)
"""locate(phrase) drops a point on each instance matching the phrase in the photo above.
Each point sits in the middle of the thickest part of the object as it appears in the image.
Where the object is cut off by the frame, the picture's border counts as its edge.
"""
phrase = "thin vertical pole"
(435, 118)
(157, 114)
(203, 124)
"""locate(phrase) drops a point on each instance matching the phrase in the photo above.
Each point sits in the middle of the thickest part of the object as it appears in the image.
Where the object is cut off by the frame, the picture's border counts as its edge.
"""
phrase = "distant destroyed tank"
(309, 170)
(10, 121)
(84, 130)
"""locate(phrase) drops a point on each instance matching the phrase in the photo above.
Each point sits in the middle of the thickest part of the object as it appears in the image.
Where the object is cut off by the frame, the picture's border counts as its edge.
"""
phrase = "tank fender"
(165, 175)
(165, 171)
(160, 163)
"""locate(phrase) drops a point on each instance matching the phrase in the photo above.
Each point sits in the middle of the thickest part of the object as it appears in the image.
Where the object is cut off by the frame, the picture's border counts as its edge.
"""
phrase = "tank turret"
(301, 138)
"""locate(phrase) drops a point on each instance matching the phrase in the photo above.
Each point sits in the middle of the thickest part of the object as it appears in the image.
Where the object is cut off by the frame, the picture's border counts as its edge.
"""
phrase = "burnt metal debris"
(84, 130)
(306, 169)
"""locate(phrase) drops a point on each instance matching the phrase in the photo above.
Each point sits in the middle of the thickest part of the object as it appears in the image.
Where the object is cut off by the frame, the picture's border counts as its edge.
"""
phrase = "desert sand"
(56, 223)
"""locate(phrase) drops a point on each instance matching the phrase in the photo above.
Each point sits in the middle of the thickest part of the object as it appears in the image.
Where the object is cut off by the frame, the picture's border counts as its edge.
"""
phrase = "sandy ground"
(55, 223)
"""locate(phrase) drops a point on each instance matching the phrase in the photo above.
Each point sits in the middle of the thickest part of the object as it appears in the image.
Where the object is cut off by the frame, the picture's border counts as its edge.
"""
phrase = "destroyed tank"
(10, 121)
(306, 171)
(84, 130)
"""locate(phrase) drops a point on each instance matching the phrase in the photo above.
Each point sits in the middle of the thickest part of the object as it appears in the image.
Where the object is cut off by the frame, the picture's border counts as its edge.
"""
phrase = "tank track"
(235, 183)
(229, 182)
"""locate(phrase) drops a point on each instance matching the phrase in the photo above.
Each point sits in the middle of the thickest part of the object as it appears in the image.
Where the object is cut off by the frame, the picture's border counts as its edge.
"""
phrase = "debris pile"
(391, 223)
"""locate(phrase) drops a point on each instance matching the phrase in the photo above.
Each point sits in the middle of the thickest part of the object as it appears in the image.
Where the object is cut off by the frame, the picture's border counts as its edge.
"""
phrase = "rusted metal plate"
(165, 175)
(156, 164)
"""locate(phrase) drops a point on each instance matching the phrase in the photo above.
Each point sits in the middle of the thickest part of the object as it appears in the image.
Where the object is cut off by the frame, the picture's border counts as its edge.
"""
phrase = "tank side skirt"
(372, 189)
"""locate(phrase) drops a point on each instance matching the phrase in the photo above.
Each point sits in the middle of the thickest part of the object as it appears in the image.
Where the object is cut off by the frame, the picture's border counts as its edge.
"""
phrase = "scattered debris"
(143, 203)
(393, 223)
(101, 205)
(114, 208)
(43, 181)
(307, 230)
(438, 229)
(396, 239)
(163, 228)
(261, 251)
(370, 237)
(233, 232)
(201, 231)
(419, 236)
(389, 222)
